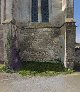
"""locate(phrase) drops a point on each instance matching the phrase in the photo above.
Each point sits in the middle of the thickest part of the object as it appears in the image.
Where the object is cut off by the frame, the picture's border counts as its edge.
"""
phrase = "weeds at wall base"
(39, 69)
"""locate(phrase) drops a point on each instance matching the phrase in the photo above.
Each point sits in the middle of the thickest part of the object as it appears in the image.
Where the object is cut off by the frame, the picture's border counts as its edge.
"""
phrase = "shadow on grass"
(32, 68)
(42, 66)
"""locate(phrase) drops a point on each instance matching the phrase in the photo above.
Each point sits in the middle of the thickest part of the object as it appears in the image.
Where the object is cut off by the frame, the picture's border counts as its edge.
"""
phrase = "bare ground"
(17, 83)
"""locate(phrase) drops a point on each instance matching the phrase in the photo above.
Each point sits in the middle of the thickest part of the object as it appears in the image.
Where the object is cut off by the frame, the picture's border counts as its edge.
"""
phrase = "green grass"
(3, 68)
(32, 68)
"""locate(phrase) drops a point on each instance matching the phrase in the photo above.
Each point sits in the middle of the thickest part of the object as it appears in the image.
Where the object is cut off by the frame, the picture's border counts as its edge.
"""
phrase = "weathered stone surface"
(70, 43)
(38, 41)
(39, 44)
(11, 54)
(77, 52)
(1, 45)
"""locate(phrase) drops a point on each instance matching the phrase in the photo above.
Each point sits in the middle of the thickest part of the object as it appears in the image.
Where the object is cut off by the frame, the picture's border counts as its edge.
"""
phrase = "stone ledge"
(69, 20)
(7, 21)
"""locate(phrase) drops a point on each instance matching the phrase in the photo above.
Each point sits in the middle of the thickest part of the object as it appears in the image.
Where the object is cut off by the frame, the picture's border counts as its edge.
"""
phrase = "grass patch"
(32, 68)
(3, 68)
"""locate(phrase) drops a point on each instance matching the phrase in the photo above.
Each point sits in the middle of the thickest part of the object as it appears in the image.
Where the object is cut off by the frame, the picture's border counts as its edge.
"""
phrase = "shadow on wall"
(43, 66)
(77, 66)
(77, 59)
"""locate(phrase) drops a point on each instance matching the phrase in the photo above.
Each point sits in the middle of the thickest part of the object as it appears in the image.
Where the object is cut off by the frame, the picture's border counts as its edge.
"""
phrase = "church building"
(38, 30)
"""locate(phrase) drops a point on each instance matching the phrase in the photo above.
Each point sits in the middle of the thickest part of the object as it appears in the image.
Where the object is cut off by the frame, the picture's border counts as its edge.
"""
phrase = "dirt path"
(16, 83)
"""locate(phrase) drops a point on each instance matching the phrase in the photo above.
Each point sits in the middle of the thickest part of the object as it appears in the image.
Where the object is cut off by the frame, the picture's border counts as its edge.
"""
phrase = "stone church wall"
(1, 45)
(77, 52)
(31, 44)
(6, 11)
(38, 41)
(70, 43)
(22, 12)
(39, 44)
(1, 40)
(62, 43)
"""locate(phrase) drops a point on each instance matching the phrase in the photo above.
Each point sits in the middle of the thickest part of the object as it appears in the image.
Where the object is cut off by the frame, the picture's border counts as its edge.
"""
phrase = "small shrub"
(69, 71)
(3, 68)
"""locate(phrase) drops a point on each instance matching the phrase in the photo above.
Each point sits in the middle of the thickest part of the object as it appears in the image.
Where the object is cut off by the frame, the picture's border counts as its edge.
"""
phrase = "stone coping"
(69, 20)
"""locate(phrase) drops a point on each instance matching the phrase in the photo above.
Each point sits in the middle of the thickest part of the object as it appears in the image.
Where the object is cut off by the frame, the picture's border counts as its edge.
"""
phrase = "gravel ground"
(16, 83)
